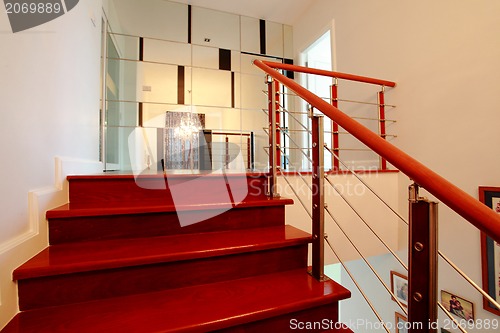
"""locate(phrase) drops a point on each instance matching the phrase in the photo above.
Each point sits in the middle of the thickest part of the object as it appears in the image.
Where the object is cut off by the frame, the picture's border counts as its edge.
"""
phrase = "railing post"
(382, 129)
(273, 139)
(249, 161)
(318, 198)
(335, 128)
(278, 121)
(423, 257)
(252, 151)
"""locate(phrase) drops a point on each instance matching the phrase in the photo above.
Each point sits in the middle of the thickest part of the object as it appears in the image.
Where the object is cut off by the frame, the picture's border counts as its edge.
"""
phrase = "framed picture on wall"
(399, 287)
(458, 306)
(401, 323)
(490, 252)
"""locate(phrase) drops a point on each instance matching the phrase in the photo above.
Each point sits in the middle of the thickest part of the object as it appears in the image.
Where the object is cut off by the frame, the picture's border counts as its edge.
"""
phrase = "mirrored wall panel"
(166, 58)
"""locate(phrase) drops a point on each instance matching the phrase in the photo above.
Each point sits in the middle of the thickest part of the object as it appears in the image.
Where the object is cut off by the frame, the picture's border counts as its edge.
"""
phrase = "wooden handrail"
(338, 75)
(458, 200)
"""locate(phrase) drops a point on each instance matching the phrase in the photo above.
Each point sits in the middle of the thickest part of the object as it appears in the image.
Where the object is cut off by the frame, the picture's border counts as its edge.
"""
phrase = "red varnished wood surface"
(77, 229)
(101, 284)
(195, 309)
(85, 256)
(282, 323)
(339, 75)
(124, 207)
(121, 262)
(105, 190)
(80, 272)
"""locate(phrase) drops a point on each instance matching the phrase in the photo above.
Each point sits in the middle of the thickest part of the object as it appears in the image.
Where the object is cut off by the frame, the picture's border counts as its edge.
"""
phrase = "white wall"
(50, 107)
(444, 56)
(50, 104)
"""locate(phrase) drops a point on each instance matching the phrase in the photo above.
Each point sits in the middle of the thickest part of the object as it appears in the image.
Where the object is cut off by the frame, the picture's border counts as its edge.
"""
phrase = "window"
(318, 55)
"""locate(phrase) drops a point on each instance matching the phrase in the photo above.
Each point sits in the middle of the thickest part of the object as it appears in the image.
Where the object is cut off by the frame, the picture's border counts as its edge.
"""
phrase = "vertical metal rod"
(382, 129)
(227, 153)
(367, 299)
(423, 257)
(252, 151)
(433, 262)
(103, 113)
(249, 154)
(318, 198)
(335, 127)
(273, 167)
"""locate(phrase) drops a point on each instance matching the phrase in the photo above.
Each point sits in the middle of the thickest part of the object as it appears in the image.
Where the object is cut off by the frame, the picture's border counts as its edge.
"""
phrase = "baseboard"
(24, 246)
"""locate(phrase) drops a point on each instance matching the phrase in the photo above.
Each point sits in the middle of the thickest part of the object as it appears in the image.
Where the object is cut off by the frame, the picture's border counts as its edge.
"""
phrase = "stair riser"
(86, 286)
(90, 192)
(77, 229)
(325, 316)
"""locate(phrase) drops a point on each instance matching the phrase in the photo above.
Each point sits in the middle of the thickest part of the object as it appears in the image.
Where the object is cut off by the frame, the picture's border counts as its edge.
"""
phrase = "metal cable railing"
(469, 280)
(422, 301)
(448, 314)
(345, 100)
(455, 198)
(303, 129)
(370, 304)
(367, 225)
(345, 200)
(366, 260)
(363, 257)
(303, 204)
(353, 172)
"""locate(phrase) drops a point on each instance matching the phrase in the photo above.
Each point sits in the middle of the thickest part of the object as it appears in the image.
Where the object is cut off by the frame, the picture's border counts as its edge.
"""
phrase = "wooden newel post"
(318, 199)
(273, 139)
(382, 125)
(335, 128)
(423, 257)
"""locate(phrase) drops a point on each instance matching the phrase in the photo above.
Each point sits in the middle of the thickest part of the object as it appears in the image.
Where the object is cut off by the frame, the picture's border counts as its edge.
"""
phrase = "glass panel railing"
(142, 149)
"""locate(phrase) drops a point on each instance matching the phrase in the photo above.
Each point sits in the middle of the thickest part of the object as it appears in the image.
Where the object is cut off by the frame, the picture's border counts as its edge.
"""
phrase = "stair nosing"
(66, 211)
(268, 308)
(115, 263)
(114, 176)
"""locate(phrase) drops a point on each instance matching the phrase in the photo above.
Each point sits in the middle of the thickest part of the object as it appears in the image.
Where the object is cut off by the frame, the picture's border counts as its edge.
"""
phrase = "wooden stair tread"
(188, 174)
(80, 210)
(184, 188)
(108, 254)
(199, 308)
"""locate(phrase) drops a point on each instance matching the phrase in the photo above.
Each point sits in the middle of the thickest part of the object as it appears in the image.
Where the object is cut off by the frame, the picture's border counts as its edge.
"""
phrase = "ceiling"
(281, 11)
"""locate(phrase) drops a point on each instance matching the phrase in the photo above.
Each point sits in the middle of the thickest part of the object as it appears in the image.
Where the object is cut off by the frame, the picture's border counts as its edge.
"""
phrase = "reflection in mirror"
(159, 19)
(164, 57)
(166, 52)
(127, 47)
(215, 28)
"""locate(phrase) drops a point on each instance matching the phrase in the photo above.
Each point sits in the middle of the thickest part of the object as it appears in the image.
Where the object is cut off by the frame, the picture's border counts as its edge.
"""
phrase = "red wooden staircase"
(119, 261)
